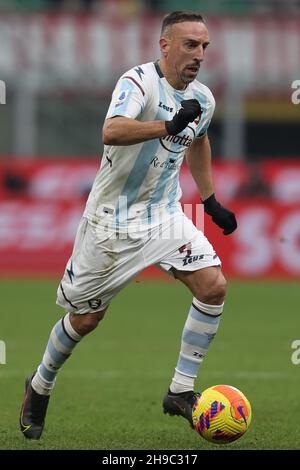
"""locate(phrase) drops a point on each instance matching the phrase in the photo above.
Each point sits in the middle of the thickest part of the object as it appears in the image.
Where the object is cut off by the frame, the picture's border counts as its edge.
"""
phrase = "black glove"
(189, 111)
(221, 216)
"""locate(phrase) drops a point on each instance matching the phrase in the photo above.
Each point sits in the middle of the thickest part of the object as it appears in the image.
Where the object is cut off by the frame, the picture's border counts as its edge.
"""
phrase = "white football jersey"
(140, 183)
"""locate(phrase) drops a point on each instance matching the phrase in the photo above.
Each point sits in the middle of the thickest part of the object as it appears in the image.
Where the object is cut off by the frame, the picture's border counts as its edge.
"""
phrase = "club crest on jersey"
(95, 303)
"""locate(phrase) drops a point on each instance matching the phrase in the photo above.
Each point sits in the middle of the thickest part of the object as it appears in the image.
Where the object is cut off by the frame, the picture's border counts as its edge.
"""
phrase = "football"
(222, 414)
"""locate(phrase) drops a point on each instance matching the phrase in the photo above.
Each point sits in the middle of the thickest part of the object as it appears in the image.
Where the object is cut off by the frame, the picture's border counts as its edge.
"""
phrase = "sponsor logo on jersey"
(184, 140)
(165, 107)
(169, 164)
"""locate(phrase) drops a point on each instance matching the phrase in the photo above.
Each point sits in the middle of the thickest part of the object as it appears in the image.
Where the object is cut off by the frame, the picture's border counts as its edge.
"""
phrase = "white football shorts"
(103, 262)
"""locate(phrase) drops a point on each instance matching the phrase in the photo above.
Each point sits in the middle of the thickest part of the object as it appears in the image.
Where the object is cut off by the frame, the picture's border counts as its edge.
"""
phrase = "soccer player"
(158, 115)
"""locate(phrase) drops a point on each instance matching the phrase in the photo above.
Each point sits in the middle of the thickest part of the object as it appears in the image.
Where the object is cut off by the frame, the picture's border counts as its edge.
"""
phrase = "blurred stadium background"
(60, 60)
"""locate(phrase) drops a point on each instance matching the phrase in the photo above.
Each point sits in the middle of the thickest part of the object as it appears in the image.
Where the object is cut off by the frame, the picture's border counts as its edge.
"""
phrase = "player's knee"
(84, 324)
(215, 292)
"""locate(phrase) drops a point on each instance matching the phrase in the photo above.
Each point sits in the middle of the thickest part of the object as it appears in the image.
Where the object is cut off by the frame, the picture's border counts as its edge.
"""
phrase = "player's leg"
(64, 337)
(188, 255)
(80, 295)
(208, 287)
(99, 268)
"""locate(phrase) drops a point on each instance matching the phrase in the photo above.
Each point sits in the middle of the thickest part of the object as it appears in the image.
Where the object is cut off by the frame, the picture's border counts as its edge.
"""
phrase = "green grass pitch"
(108, 395)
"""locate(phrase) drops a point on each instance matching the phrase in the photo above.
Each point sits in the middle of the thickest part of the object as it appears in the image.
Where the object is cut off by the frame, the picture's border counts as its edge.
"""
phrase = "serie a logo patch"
(121, 98)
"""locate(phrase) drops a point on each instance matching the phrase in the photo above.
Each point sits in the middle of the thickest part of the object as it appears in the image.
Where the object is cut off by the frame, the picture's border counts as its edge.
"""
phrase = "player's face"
(184, 50)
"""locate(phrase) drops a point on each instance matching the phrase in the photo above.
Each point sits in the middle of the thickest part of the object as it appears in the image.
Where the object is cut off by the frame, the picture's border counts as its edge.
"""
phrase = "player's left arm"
(198, 158)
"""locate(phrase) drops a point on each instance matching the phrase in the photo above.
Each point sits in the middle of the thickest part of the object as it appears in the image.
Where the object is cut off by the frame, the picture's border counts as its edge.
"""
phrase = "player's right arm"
(121, 130)
(124, 124)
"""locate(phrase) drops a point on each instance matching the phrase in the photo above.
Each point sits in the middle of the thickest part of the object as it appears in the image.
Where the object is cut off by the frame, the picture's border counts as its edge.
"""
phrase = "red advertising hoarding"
(41, 204)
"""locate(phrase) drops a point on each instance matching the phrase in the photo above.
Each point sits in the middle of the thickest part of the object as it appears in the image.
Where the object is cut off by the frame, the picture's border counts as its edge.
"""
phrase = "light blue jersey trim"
(165, 175)
(163, 178)
(136, 178)
(139, 171)
(204, 105)
(172, 197)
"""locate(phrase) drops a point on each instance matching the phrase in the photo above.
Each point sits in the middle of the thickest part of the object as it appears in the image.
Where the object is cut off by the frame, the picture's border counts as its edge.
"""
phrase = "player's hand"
(189, 111)
(221, 216)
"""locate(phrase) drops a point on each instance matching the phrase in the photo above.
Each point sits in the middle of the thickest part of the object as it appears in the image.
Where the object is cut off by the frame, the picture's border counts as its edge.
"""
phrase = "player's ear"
(164, 44)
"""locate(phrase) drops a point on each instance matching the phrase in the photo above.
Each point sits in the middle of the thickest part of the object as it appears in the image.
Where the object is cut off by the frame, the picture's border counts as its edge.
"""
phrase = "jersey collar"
(161, 75)
(158, 70)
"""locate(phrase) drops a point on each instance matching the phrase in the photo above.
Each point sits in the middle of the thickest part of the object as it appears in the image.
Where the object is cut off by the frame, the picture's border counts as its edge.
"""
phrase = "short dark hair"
(180, 17)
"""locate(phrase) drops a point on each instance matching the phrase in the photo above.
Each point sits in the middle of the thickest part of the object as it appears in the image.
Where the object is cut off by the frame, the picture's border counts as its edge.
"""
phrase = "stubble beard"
(184, 79)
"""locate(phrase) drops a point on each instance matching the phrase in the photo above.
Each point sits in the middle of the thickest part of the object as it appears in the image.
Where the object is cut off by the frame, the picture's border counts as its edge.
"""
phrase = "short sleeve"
(128, 98)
